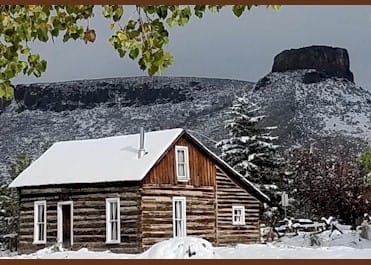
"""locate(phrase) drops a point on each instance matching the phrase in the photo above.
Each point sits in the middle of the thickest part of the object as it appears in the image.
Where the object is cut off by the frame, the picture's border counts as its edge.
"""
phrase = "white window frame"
(184, 215)
(36, 223)
(108, 221)
(60, 221)
(238, 207)
(186, 177)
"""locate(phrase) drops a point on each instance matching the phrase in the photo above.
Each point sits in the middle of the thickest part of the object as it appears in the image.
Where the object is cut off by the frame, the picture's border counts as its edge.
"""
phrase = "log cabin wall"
(229, 194)
(157, 212)
(161, 185)
(201, 167)
(89, 216)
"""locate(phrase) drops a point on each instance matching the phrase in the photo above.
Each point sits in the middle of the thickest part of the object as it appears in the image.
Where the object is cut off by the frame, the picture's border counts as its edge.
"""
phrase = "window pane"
(181, 170)
(40, 217)
(114, 232)
(179, 228)
(113, 208)
(176, 229)
(180, 210)
(177, 210)
(41, 232)
(181, 156)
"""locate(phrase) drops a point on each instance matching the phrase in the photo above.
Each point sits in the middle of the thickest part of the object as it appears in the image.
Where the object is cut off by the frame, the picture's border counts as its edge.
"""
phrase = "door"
(66, 231)
(65, 224)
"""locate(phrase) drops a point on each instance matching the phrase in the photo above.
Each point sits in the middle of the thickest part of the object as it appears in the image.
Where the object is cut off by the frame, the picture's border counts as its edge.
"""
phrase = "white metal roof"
(97, 160)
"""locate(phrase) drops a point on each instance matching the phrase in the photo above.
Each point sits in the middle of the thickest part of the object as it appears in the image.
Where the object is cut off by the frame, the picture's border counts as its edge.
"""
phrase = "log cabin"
(126, 193)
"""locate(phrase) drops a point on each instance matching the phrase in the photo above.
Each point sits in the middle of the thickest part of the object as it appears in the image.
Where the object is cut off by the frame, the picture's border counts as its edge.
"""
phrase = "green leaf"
(152, 70)
(199, 10)
(25, 50)
(66, 37)
(121, 52)
(122, 36)
(107, 11)
(54, 32)
(238, 10)
(162, 12)
(131, 25)
(119, 11)
(36, 72)
(43, 65)
(171, 22)
(134, 53)
(9, 92)
(42, 34)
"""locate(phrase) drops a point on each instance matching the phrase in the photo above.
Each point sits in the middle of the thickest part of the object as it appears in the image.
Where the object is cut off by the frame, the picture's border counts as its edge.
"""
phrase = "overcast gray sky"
(222, 45)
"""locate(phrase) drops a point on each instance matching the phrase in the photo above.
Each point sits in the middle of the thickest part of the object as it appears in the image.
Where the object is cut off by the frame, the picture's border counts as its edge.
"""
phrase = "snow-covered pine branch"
(250, 149)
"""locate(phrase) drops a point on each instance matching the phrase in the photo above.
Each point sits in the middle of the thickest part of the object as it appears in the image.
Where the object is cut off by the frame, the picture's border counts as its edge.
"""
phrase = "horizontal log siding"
(202, 169)
(228, 195)
(157, 212)
(89, 217)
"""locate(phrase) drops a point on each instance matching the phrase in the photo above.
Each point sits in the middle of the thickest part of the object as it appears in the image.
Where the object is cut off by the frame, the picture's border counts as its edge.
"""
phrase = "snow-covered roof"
(97, 160)
(110, 159)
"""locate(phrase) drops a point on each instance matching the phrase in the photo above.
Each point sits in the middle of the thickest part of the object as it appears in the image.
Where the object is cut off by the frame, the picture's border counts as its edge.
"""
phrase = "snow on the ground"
(337, 246)
(270, 251)
(175, 248)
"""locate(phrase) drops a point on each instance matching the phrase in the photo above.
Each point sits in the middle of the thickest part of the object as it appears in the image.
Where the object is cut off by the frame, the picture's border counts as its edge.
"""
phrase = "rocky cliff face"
(327, 61)
(88, 94)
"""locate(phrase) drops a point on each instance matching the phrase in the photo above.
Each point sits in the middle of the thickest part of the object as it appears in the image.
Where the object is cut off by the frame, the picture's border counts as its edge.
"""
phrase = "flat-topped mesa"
(328, 61)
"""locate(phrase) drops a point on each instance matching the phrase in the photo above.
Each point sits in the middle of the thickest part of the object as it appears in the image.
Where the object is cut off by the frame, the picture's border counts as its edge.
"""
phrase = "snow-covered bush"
(180, 248)
(324, 184)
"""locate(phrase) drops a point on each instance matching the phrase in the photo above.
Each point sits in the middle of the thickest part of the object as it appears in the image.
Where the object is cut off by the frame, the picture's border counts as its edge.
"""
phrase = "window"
(238, 215)
(40, 222)
(182, 163)
(179, 216)
(113, 220)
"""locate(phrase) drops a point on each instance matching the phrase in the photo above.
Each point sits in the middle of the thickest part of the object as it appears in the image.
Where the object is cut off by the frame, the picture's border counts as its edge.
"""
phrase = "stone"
(313, 77)
(329, 61)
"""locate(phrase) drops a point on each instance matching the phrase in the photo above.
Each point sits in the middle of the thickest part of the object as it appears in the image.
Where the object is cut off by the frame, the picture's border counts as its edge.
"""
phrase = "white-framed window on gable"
(238, 215)
(113, 220)
(179, 217)
(39, 222)
(182, 163)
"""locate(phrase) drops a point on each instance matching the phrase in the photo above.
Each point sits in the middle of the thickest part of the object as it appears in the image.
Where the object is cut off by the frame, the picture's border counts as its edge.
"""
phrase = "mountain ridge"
(317, 106)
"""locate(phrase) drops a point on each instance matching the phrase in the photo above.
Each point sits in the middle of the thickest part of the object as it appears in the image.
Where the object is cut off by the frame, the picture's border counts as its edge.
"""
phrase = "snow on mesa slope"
(302, 112)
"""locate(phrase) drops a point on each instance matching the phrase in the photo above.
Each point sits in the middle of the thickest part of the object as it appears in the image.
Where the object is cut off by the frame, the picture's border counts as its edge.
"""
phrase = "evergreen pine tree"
(250, 149)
